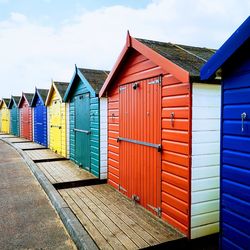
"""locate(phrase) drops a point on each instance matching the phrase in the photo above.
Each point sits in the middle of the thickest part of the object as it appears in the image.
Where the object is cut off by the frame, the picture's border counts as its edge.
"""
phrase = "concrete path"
(27, 218)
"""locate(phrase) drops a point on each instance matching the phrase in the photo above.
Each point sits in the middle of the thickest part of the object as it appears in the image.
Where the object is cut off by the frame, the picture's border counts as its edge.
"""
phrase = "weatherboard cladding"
(26, 117)
(14, 115)
(234, 61)
(176, 136)
(57, 118)
(40, 116)
(90, 81)
(5, 115)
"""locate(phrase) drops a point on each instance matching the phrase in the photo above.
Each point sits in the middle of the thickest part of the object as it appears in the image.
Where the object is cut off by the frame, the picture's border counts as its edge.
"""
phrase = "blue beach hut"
(40, 116)
(232, 63)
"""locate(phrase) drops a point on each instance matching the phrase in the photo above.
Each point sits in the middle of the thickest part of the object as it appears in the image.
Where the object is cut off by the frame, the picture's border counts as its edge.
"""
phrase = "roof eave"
(235, 41)
(116, 66)
(163, 62)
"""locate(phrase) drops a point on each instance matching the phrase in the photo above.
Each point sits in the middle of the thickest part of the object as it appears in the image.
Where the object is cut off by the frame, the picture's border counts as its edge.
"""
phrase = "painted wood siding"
(103, 137)
(71, 132)
(95, 135)
(40, 122)
(206, 99)
(113, 133)
(136, 67)
(57, 140)
(176, 152)
(14, 120)
(26, 121)
(5, 119)
(235, 159)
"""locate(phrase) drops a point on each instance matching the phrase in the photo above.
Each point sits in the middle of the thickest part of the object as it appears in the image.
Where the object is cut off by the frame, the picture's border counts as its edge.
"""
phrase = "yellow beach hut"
(57, 119)
(5, 115)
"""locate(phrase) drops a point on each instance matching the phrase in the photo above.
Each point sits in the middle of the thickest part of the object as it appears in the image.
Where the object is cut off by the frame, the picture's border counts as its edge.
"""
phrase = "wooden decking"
(63, 171)
(16, 139)
(29, 145)
(113, 221)
(44, 154)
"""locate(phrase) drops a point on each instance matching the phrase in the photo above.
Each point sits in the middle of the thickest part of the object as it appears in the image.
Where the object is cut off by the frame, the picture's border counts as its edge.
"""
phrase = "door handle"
(172, 119)
(243, 117)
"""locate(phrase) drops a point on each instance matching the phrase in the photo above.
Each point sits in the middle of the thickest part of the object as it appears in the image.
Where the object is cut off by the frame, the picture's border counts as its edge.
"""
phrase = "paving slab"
(27, 218)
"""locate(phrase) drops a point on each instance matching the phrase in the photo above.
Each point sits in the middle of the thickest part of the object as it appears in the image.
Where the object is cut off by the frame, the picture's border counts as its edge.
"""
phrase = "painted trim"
(20, 101)
(71, 84)
(33, 99)
(53, 86)
(164, 63)
(234, 42)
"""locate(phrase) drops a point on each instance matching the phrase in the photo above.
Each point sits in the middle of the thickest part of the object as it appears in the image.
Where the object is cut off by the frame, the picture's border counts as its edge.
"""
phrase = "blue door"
(40, 124)
(235, 165)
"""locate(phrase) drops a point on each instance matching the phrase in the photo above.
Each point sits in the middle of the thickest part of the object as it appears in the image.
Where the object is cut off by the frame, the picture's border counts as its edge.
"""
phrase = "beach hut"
(163, 133)
(26, 117)
(40, 116)
(232, 64)
(14, 115)
(5, 115)
(88, 135)
(57, 118)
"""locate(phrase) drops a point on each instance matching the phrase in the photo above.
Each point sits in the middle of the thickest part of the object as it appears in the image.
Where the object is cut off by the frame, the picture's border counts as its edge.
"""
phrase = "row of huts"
(152, 127)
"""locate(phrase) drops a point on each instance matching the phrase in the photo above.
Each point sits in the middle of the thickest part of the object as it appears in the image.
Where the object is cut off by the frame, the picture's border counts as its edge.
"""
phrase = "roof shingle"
(189, 58)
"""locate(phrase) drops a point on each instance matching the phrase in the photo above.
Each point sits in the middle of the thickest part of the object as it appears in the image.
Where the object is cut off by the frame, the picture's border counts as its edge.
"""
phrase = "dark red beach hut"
(26, 118)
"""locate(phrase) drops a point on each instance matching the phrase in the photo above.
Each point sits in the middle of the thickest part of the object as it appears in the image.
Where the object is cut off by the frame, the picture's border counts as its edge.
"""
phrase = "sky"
(42, 40)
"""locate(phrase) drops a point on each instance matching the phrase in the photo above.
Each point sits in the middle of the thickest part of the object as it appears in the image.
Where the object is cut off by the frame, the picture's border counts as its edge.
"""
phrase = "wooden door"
(140, 142)
(56, 126)
(82, 131)
(25, 121)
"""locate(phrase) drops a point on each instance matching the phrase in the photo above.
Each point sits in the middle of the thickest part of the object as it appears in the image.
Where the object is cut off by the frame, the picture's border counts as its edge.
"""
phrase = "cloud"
(32, 54)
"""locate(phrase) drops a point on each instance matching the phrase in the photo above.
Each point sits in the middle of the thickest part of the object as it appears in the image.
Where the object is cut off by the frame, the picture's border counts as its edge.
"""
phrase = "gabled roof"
(14, 100)
(42, 94)
(59, 87)
(28, 97)
(6, 101)
(227, 50)
(180, 60)
(92, 78)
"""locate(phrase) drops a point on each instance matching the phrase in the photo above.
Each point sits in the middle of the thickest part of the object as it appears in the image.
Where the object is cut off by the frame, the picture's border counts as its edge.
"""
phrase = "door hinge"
(122, 189)
(156, 209)
(156, 81)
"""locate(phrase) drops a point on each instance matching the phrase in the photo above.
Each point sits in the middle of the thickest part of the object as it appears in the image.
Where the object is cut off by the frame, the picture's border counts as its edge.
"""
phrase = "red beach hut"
(26, 118)
(164, 133)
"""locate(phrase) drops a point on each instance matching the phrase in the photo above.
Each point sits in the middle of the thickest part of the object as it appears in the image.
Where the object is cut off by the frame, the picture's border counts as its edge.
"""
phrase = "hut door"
(5, 120)
(56, 127)
(82, 131)
(25, 121)
(14, 121)
(39, 123)
(140, 142)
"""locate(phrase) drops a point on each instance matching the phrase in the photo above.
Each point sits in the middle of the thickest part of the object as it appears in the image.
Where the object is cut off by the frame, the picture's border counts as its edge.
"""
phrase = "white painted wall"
(206, 102)
(103, 137)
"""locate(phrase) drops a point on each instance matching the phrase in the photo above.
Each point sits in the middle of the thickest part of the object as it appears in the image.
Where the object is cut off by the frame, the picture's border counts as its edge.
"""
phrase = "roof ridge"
(179, 47)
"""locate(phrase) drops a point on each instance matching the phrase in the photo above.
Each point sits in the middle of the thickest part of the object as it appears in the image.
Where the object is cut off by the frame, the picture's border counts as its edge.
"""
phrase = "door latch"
(243, 117)
(172, 119)
(135, 198)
